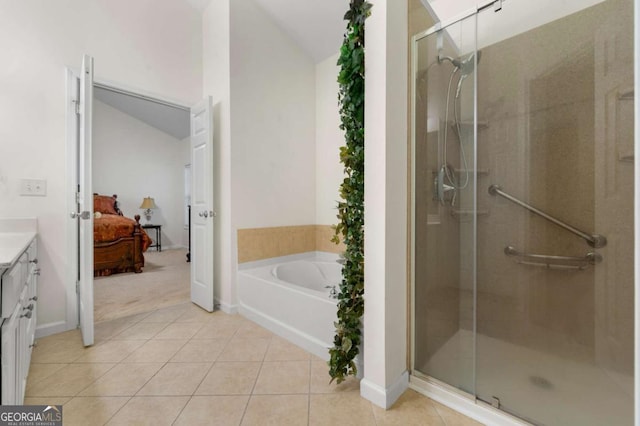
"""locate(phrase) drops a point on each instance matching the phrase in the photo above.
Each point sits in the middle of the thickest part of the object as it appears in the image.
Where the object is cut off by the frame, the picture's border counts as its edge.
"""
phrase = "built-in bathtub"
(291, 296)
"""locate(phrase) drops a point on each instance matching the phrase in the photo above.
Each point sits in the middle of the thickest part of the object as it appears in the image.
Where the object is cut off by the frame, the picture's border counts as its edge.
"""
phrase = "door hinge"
(77, 287)
(76, 103)
(77, 198)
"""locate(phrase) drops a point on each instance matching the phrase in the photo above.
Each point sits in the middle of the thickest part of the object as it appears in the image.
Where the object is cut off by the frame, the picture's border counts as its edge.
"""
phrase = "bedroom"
(140, 151)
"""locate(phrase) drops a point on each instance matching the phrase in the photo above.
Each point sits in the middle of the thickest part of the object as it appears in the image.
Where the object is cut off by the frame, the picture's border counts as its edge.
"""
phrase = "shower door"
(523, 279)
(554, 342)
(444, 201)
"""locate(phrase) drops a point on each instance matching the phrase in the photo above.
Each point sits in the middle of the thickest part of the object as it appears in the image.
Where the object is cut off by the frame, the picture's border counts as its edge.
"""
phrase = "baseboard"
(172, 247)
(225, 307)
(384, 397)
(51, 328)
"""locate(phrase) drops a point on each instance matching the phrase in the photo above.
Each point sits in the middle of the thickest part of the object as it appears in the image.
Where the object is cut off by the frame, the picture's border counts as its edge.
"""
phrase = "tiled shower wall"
(556, 131)
(264, 243)
(555, 137)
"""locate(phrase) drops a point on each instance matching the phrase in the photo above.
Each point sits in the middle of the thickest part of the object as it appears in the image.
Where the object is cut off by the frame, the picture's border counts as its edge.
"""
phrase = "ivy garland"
(351, 208)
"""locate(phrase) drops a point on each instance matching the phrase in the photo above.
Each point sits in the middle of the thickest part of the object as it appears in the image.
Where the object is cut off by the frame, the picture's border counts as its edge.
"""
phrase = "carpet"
(165, 281)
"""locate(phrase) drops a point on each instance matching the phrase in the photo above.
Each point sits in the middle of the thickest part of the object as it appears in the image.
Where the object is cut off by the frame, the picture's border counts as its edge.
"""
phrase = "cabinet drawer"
(13, 282)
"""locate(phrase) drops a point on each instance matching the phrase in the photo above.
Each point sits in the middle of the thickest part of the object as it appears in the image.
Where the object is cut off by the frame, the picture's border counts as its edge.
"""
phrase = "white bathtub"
(288, 296)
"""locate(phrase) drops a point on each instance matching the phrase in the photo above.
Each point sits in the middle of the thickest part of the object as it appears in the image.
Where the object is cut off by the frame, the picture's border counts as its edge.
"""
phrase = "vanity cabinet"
(18, 314)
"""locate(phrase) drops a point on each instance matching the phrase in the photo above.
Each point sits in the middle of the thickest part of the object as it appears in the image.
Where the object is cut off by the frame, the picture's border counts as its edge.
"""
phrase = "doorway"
(80, 291)
(141, 146)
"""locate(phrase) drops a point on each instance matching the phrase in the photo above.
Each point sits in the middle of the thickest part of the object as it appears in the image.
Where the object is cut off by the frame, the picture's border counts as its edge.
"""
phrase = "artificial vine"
(351, 209)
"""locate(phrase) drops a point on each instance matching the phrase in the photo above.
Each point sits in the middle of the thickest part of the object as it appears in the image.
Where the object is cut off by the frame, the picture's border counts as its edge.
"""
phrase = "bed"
(118, 241)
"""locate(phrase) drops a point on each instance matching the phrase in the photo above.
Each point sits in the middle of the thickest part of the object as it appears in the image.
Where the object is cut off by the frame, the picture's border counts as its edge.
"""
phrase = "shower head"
(465, 64)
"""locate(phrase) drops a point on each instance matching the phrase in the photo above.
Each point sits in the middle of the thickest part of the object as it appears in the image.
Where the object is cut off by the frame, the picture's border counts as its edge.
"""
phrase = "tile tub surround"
(265, 243)
(229, 372)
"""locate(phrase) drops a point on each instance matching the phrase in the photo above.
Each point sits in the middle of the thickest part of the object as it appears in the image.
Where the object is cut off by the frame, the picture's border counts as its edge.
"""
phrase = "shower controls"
(441, 190)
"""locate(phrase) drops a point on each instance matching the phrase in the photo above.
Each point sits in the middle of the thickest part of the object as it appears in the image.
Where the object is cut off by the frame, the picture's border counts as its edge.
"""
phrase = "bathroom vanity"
(18, 279)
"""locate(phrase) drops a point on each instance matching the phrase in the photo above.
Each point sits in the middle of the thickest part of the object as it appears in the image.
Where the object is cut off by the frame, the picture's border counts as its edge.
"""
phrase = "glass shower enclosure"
(523, 165)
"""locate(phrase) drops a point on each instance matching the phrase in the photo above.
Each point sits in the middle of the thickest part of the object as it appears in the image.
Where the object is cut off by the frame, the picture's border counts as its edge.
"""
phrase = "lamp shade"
(148, 203)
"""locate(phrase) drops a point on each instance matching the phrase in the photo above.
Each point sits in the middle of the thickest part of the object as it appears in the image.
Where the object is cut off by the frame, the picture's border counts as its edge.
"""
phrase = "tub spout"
(333, 293)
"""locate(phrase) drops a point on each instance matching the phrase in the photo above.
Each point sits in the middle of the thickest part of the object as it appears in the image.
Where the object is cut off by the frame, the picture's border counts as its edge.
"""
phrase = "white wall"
(385, 315)
(272, 123)
(153, 46)
(217, 83)
(264, 90)
(135, 160)
(329, 139)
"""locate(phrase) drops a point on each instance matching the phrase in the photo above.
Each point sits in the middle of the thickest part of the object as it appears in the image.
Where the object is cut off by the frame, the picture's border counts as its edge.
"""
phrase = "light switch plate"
(33, 187)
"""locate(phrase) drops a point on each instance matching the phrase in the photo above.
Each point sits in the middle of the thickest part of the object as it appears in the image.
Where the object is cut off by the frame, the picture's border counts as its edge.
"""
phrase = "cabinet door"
(23, 354)
(10, 342)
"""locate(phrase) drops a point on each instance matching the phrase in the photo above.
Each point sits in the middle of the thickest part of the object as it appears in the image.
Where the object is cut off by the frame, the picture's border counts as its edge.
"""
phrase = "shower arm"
(594, 240)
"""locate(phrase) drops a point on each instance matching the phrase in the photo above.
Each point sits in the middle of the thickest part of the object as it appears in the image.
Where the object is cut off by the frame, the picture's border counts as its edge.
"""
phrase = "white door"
(85, 201)
(202, 214)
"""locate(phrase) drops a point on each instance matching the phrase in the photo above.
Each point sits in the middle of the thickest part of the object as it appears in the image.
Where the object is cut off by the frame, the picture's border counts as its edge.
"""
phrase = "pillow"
(104, 204)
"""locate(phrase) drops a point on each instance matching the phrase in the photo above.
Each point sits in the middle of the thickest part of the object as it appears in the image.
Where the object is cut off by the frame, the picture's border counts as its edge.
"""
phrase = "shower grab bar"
(554, 262)
(594, 240)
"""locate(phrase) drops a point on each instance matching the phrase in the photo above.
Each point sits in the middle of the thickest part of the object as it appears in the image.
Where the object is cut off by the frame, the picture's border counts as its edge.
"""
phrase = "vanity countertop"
(12, 244)
(15, 237)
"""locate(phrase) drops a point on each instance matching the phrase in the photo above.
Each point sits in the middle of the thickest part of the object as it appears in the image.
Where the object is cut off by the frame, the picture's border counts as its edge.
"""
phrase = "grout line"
(182, 410)
(118, 410)
(223, 343)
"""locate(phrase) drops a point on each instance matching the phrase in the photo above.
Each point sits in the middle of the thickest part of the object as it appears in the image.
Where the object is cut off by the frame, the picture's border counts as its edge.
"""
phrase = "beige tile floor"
(180, 365)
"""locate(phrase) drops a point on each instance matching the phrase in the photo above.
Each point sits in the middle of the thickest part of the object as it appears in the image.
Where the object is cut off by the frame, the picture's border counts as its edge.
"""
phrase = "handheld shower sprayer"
(465, 65)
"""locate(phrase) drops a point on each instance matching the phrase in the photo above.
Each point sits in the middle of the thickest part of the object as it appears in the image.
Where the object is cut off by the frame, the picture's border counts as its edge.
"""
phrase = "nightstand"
(157, 243)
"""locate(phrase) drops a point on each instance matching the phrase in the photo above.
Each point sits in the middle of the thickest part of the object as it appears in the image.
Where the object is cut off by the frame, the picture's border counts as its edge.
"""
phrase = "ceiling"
(171, 120)
(317, 26)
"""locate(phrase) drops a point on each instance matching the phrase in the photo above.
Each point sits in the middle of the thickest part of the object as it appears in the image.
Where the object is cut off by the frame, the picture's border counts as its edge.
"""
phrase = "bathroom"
(503, 298)
(278, 182)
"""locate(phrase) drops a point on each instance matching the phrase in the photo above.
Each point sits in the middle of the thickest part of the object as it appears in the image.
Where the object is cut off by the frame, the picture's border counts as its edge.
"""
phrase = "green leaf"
(350, 210)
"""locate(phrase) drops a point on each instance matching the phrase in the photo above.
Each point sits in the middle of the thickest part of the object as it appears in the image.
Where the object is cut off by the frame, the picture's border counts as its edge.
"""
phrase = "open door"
(202, 214)
(85, 201)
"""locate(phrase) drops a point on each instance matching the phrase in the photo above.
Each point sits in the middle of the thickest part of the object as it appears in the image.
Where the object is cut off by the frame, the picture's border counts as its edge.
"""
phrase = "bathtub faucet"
(333, 293)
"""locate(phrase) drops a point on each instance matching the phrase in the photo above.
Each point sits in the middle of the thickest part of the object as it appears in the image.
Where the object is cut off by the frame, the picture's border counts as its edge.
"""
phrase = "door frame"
(72, 75)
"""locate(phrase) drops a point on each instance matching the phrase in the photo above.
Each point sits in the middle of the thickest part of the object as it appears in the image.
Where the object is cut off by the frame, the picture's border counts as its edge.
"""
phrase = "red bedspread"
(111, 227)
